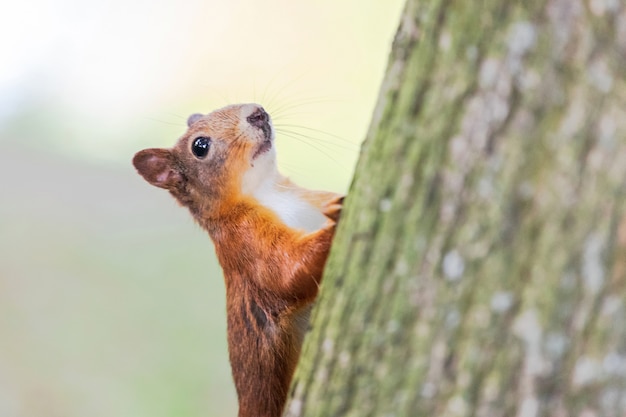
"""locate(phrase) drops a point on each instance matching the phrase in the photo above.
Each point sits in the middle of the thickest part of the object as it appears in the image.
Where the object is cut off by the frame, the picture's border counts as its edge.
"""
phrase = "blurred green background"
(111, 299)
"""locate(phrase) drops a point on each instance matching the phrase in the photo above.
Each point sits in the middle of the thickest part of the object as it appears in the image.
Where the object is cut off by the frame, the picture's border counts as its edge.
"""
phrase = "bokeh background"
(111, 299)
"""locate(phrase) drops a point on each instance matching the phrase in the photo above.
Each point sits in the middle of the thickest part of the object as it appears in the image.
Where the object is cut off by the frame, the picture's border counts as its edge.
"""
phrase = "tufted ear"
(157, 166)
(194, 118)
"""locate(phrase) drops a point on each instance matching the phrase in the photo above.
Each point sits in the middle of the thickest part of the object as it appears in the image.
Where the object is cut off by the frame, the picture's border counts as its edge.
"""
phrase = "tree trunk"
(480, 264)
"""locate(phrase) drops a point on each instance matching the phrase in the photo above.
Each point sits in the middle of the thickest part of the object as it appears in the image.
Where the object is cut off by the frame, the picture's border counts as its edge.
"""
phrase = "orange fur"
(272, 271)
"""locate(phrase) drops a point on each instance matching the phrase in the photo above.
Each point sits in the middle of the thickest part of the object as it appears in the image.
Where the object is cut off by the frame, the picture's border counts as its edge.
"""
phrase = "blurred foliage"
(111, 300)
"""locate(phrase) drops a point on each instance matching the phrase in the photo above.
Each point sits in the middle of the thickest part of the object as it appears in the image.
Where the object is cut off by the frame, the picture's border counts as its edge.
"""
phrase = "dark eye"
(200, 147)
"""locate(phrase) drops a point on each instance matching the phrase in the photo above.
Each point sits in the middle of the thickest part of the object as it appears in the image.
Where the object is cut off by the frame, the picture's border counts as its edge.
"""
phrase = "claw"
(332, 209)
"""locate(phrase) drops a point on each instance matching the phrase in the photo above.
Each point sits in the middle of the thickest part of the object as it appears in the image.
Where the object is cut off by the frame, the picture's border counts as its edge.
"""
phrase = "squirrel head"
(222, 155)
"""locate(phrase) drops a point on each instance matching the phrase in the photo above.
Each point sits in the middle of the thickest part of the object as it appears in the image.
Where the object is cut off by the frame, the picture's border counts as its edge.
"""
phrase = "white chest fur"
(261, 181)
(291, 209)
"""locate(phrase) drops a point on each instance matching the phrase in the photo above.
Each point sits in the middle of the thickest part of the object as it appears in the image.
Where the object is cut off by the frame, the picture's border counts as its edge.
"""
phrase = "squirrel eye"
(200, 147)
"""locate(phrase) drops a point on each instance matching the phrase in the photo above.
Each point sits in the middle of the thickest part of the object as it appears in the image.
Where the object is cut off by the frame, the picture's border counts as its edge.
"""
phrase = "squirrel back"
(271, 237)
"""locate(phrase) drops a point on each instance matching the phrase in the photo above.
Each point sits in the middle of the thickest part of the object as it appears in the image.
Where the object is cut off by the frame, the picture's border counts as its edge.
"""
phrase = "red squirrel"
(271, 237)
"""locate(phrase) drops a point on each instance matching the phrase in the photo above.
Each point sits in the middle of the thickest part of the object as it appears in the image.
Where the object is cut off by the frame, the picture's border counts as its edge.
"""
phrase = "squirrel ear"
(158, 168)
(194, 118)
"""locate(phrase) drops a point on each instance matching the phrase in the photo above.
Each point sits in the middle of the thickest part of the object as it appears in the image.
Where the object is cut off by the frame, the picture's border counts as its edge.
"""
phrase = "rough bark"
(480, 264)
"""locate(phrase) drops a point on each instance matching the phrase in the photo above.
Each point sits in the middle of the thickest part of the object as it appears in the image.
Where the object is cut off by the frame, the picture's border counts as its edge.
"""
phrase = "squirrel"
(271, 237)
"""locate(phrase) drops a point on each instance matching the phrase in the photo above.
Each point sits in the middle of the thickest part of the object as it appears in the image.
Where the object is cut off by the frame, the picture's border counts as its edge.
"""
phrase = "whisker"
(164, 122)
(295, 104)
(348, 143)
(272, 99)
(288, 134)
(292, 168)
(176, 115)
(328, 144)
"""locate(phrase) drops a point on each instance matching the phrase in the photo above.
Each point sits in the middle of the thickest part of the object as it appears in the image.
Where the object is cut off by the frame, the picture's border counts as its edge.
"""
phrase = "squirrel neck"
(285, 199)
(261, 188)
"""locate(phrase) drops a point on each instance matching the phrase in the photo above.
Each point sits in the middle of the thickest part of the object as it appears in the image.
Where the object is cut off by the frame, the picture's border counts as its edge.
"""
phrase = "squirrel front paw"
(332, 209)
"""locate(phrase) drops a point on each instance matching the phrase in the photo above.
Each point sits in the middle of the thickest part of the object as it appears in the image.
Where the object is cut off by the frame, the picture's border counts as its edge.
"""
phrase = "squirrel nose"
(259, 118)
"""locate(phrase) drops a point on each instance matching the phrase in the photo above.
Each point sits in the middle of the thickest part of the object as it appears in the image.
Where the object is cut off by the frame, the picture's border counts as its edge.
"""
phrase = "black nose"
(259, 118)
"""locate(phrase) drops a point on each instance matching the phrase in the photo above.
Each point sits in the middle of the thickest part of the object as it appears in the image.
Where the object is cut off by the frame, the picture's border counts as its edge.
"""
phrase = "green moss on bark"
(480, 263)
